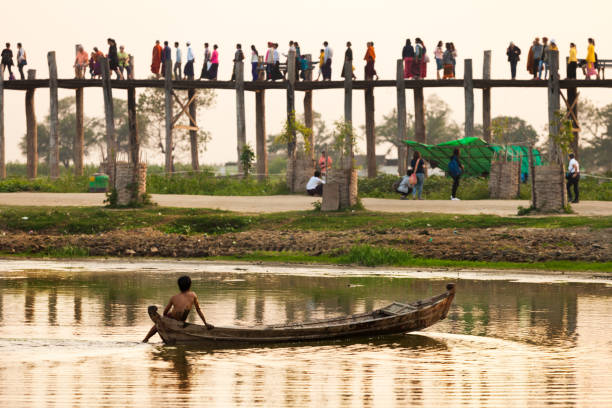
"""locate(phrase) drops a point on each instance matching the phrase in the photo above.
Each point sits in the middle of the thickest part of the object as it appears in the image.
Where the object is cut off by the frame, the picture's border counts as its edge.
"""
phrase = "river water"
(70, 332)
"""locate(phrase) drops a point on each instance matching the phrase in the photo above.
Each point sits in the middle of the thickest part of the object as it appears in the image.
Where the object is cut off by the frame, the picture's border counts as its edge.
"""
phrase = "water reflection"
(503, 344)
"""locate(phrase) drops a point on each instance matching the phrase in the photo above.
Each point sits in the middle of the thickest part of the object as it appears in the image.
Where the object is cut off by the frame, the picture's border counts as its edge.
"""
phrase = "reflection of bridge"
(468, 83)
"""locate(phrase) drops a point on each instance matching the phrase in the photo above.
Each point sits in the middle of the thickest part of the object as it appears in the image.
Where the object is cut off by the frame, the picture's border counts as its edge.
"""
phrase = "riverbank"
(350, 238)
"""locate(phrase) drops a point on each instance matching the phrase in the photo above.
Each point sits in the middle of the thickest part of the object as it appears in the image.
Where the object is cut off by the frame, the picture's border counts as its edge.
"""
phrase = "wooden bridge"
(290, 86)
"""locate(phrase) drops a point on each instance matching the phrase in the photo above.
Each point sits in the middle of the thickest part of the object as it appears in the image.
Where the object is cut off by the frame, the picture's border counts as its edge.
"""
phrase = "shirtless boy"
(181, 306)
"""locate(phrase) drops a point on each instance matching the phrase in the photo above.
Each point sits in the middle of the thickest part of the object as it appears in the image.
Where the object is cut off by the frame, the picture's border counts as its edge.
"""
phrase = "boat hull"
(392, 319)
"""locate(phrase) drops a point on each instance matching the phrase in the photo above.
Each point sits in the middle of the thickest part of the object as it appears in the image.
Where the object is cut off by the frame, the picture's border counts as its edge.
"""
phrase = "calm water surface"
(69, 336)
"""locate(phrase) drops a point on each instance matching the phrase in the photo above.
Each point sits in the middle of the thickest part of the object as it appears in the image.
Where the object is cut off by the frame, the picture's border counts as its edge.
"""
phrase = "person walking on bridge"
(238, 57)
(513, 52)
(156, 59)
(537, 51)
(327, 64)
(572, 62)
(370, 58)
(408, 57)
(254, 63)
(439, 54)
(447, 61)
(178, 62)
(591, 59)
(80, 63)
(166, 59)
(113, 58)
(348, 57)
(206, 64)
(188, 71)
(22, 60)
(214, 64)
(7, 60)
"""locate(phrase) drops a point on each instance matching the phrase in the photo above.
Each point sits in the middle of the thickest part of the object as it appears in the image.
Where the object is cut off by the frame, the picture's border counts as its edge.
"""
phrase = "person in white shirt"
(254, 62)
(189, 74)
(178, 62)
(269, 60)
(314, 187)
(206, 65)
(573, 177)
(327, 61)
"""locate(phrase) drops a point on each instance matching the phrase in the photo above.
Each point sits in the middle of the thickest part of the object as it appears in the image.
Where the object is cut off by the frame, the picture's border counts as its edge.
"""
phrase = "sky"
(473, 25)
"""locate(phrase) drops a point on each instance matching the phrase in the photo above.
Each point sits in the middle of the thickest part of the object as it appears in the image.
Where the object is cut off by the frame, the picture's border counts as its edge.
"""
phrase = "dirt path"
(268, 204)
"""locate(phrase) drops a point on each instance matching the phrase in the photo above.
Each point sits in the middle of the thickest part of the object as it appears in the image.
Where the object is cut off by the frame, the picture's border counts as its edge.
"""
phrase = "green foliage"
(205, 184)
(509, 130)
(367, 255)
(291, 129)
(247, 156)
(208, 224)
(278, 165)
(316, 206)
(563, 140)
(343, 142)
(68, 251)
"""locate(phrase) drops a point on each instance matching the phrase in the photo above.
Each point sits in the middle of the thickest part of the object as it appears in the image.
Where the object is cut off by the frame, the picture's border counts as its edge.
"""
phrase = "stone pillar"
(127, 192)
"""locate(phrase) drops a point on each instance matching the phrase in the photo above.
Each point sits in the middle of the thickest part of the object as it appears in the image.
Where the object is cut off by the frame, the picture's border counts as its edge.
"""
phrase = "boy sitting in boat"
(181, 305)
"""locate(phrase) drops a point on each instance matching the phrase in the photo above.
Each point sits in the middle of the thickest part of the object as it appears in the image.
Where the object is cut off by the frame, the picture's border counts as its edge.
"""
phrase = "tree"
(439, 127)
(387, 132)
(67, 132)
(596, 138)
(512, 130)
(151, 104)
(322, 135)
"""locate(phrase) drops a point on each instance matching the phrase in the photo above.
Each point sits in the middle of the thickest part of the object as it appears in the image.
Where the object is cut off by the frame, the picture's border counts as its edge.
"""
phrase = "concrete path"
(267, 204)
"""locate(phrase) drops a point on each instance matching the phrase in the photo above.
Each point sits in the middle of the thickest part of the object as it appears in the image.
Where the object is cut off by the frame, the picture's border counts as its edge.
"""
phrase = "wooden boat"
(394, 318)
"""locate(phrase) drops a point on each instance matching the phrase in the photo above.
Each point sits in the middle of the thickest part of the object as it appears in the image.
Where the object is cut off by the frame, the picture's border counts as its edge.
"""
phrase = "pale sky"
(473, 25)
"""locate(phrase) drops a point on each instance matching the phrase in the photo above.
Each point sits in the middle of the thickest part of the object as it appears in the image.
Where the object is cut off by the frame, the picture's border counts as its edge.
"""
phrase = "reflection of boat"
(394, 318)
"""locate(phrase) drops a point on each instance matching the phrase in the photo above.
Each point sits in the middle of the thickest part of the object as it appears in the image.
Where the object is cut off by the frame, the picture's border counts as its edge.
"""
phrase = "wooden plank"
(291, 146)
(186, 127)
(419, 116)
(2, 142)
(109, 118)
(240, 110)
(486, 98)
(31, 131)
(79, 136)
(554, 104)
(169, 165)
(369, 131)
(401, 116)
(260, 135)
(572, 101)
(468, 86)
(53, 120)
(193, 129)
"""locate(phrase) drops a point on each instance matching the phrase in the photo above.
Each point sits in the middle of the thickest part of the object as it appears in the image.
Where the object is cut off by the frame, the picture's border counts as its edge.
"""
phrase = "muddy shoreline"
(490, 244)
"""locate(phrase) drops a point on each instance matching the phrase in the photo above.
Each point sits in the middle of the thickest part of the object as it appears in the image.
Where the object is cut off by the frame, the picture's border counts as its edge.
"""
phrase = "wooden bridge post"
(291, 146)
(193, 133)
(109, 118)
(260, 134)
(554, 103)
(31, 130)
(486, 98)
(400, 84)
(468, 86)
(169, 165)
(2, 147)
(308, 118)
(419, 115)
(369, 130)
(79, 136)
(240, 113)
(134, 140)
(348, 110)
(53, 119)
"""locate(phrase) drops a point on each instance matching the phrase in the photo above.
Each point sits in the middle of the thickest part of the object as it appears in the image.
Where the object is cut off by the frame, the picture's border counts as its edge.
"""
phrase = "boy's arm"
(197, 306)
(168, 307)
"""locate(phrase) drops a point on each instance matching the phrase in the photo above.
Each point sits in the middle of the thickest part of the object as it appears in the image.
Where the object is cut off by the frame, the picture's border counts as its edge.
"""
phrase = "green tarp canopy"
(476, 154)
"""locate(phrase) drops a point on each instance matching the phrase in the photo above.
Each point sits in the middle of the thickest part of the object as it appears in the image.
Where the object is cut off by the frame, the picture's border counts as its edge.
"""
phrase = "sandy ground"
(266, 204)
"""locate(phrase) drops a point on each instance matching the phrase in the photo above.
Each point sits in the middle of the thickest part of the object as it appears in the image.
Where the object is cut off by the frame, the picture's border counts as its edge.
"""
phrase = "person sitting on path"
(455, 169)
(573, 178)
(404, 187)
(314, 187)
(180, 305)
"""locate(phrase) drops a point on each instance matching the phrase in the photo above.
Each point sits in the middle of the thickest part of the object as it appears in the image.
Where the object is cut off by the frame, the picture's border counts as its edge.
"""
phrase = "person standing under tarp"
(455, 169)
(513, 52)
(156, 59)
(188, 71)
(573, 178)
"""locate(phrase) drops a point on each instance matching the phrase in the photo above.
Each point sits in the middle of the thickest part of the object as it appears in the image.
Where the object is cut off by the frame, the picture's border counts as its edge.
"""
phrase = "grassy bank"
(91, 220)
(205, 183)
